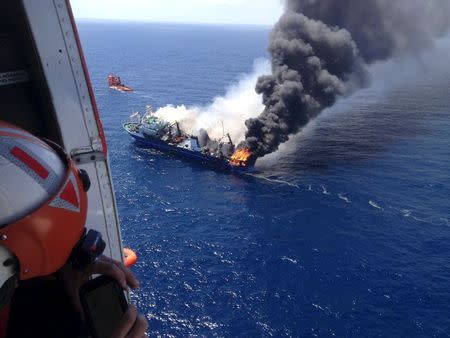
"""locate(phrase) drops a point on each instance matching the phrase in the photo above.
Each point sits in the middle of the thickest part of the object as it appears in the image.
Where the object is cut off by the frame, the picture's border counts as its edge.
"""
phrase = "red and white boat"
(114, 82)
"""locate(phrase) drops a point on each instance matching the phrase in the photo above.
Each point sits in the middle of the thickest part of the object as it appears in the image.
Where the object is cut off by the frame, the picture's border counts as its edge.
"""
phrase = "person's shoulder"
(40, 308)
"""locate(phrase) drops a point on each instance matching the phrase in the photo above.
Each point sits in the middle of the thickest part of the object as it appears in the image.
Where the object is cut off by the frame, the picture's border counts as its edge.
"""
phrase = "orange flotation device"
(129, 257)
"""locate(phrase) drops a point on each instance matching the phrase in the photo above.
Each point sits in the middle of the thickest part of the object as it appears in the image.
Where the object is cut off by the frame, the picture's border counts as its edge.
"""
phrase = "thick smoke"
(226, 113)
(320, 51)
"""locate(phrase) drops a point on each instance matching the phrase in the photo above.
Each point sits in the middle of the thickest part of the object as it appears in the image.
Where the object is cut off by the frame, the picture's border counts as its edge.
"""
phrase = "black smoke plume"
(321, 50)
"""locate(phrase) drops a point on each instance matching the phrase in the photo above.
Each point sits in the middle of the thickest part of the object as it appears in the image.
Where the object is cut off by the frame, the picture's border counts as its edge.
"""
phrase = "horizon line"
(259, 25)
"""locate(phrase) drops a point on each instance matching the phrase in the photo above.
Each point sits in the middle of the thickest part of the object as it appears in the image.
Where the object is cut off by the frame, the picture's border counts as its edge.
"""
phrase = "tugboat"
(153, 132)
(114, 82)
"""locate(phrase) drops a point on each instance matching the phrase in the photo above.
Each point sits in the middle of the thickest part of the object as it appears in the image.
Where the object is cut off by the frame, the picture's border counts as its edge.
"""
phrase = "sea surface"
(344, 232)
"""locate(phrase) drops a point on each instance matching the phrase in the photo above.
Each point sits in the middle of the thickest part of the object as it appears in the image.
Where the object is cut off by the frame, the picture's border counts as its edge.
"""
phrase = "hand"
(132, 325)
(74, 279)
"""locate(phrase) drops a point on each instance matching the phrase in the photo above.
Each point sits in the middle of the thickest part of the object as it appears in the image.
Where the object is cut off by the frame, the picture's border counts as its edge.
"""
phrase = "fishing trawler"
(153, 132)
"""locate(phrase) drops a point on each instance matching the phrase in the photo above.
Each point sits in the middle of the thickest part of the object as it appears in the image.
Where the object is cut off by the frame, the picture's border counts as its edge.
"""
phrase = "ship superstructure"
(153, 132)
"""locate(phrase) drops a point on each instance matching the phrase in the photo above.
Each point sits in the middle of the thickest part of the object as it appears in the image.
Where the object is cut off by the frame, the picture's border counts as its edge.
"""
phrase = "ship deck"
(205, 159)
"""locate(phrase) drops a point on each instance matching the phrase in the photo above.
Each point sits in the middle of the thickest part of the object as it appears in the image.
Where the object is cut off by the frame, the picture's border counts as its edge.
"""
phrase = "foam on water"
(375, 205)
(344, 198)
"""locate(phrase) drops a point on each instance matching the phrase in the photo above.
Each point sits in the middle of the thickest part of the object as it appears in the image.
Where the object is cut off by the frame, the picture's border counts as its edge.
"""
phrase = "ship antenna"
(223, 130)
(229, 139)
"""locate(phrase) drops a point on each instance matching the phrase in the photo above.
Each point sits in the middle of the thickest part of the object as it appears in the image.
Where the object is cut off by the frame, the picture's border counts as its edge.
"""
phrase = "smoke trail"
(321, 50)
(239, 103)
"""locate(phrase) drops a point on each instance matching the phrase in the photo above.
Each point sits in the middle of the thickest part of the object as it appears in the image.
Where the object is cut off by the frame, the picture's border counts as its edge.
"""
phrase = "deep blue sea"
(344, 232)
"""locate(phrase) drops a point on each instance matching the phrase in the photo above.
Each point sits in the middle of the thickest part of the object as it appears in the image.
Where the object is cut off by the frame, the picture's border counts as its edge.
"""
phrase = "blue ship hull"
(195, 156)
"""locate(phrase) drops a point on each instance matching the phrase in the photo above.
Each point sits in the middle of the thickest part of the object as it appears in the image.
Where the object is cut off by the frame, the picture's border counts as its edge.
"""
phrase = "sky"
(252, 12)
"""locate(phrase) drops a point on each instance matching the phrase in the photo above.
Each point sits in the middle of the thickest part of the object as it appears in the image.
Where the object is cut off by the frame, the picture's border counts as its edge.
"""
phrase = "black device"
(104, 303)
(88, 249)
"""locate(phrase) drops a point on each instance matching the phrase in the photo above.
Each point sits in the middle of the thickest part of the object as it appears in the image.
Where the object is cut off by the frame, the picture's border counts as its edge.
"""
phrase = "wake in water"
(272, 180)
(375, 205)
(240, 103)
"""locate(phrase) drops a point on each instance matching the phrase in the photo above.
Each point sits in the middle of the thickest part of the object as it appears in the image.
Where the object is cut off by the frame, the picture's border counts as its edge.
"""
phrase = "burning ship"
(153, 132)
(114, 82)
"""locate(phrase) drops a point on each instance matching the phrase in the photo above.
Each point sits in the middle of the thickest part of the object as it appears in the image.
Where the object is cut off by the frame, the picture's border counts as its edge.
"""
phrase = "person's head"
(43, 207)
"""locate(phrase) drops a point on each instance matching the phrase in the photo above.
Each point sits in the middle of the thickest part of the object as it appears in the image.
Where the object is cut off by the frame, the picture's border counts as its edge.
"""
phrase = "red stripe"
(69, 194)
(30, 162)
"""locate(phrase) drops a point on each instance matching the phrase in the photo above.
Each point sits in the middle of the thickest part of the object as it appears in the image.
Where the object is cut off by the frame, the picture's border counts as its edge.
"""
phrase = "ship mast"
(229, 139)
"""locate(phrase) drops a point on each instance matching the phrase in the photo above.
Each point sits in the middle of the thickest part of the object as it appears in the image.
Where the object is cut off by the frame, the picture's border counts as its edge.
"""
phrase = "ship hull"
(204, 159)
(122, 88)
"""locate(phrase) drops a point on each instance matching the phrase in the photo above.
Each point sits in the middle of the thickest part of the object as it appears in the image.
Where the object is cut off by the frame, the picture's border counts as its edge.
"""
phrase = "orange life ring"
(129, 257)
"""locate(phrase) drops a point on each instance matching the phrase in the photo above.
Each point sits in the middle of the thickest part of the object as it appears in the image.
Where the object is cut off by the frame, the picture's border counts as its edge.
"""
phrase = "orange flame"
(240, 157)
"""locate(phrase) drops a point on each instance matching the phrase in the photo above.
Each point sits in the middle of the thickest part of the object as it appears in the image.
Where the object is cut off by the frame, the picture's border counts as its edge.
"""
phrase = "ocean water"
(344, 232)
